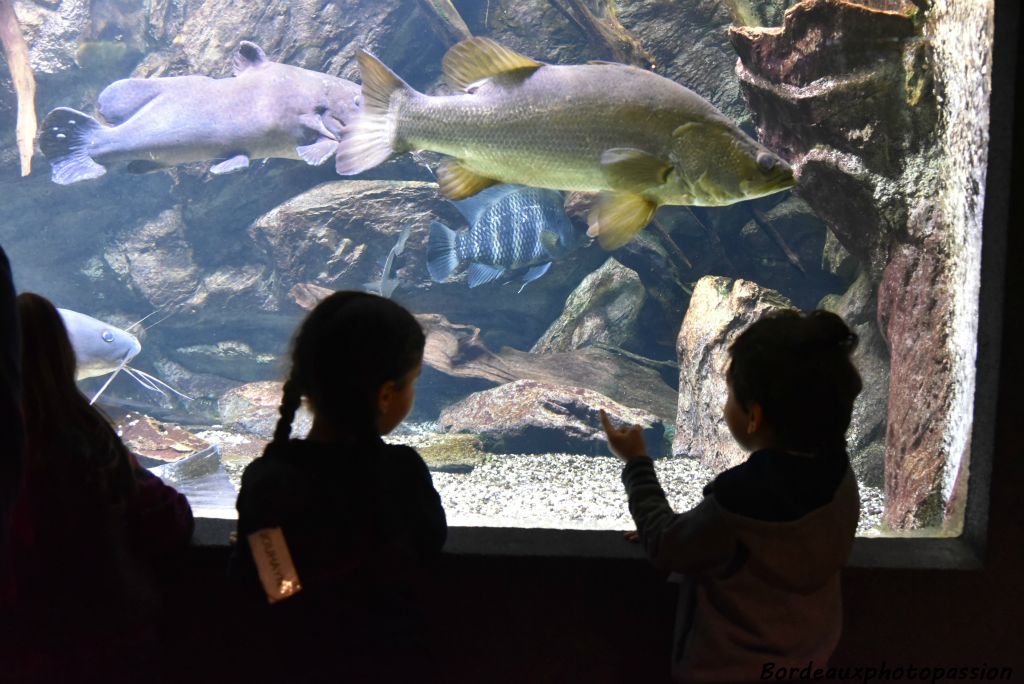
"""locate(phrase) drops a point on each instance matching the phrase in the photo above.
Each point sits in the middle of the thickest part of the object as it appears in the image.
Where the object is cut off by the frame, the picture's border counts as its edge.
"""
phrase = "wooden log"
(16, 51)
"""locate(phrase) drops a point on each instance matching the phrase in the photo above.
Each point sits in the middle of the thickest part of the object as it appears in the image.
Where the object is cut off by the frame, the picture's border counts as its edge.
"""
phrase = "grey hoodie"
(762, 554)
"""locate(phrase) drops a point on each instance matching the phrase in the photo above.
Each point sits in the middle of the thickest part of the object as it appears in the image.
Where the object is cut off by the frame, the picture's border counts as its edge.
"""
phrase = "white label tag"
(274, 564)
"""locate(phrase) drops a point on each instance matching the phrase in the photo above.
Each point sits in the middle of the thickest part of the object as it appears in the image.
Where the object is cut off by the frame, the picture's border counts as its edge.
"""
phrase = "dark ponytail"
(348, 346)
(797, 366)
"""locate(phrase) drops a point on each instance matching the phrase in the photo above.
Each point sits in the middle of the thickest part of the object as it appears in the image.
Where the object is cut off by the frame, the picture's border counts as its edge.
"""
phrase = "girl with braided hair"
(762, 551)
(342, 524)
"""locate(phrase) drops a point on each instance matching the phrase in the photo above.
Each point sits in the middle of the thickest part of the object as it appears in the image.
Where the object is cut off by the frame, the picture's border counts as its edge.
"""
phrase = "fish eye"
(767, 162)
(107, 336)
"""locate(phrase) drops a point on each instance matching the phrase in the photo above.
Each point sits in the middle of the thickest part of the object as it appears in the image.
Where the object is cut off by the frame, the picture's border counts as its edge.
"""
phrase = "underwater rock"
(157, 440)
(847, 93)
(603, 309)
(203, 479)
(231, 358)
(719, 310)
(200, 34)
(689, 43)
(865, 440)
(331, 235)
(533, 417)
(155, 259)
(784, 245)
(836, 260)
(253, 409)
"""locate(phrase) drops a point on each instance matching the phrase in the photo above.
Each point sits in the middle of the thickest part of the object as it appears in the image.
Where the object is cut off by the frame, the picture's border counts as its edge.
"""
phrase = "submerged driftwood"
(456, 349)
(16, 52)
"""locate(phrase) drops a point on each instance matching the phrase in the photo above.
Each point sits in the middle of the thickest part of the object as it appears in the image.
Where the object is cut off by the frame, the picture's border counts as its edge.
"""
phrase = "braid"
(290, 402)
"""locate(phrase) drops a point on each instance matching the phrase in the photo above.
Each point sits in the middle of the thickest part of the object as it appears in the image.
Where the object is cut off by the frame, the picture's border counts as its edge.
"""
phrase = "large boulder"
(603, 309)
(719, 310)
(533, 417)
(252, 409)
(847, 93)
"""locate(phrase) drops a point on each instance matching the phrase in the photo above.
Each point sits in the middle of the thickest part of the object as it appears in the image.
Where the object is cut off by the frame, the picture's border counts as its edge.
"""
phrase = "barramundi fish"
(101, 348)
(639, 139)
(510, 227)
(266, 110)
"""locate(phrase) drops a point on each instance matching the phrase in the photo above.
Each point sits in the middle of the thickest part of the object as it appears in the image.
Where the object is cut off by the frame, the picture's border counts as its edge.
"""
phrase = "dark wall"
(539, 620)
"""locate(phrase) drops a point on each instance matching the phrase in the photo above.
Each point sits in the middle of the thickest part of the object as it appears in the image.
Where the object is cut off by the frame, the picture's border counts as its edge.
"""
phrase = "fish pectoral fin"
(534, 273)
(456, 182)
(315, 123)
(618, 216)
(236, 163)
(483, 273)
(248, 55)
(140, 166)
(550, 242)
(628, 168)
(317, 153)
(475, 59)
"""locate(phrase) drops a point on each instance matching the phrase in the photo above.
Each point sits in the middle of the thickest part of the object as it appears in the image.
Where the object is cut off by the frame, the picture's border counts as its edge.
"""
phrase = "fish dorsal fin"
(476, 59)
(248, 56)
(472, 208)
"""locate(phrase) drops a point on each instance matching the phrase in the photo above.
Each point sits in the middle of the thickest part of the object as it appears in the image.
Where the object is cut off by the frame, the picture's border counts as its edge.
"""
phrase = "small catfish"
(639, 139)
(101, 348)
(385, 287)
(510, 227)
(266, 110)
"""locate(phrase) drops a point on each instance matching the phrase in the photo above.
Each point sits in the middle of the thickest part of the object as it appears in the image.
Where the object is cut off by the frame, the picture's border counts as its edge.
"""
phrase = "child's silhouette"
(763, 550)
(357, 519)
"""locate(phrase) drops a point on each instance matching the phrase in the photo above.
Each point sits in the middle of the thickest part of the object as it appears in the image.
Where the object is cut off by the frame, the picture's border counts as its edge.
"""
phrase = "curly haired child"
(762, 551)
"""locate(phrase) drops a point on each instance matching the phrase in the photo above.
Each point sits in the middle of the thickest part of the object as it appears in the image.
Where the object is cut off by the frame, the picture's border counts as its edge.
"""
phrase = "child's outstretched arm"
(626, 442)
(698, 540)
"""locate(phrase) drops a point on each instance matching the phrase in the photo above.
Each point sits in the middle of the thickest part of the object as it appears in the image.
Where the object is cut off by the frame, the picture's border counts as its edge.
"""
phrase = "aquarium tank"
(582, 201)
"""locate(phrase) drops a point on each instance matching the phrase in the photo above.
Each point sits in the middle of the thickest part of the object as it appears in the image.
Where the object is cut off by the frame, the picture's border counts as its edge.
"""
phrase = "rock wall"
(883, 112)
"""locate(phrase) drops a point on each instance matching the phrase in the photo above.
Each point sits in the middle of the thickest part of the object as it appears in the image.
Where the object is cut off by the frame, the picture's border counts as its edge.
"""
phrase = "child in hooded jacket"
(763, 550)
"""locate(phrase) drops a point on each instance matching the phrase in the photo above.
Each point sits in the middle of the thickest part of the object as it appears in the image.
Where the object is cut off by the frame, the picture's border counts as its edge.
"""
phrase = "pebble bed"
(555, 491)
(570, 491)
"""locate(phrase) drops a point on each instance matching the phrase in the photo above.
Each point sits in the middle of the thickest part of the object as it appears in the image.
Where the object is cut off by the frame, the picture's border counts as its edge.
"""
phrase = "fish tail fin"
(442, 256)
(371, 139)
(65, 140)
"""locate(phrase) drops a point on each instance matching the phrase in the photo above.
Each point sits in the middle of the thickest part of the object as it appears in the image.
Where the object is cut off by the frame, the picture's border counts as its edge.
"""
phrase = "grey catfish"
(266, 110)
(101, 348)
(639, 139)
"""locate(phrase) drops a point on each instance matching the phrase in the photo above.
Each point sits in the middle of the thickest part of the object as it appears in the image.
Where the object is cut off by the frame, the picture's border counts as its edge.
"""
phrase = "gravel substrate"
(559, 491)
(571, 491)
(568, 491)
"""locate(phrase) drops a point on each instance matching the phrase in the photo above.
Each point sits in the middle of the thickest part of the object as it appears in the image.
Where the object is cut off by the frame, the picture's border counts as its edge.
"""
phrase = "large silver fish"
(266, 110)
(639, 139)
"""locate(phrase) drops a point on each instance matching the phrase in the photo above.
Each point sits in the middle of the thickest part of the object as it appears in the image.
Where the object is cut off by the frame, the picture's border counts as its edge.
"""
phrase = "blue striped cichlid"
(510, 227)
